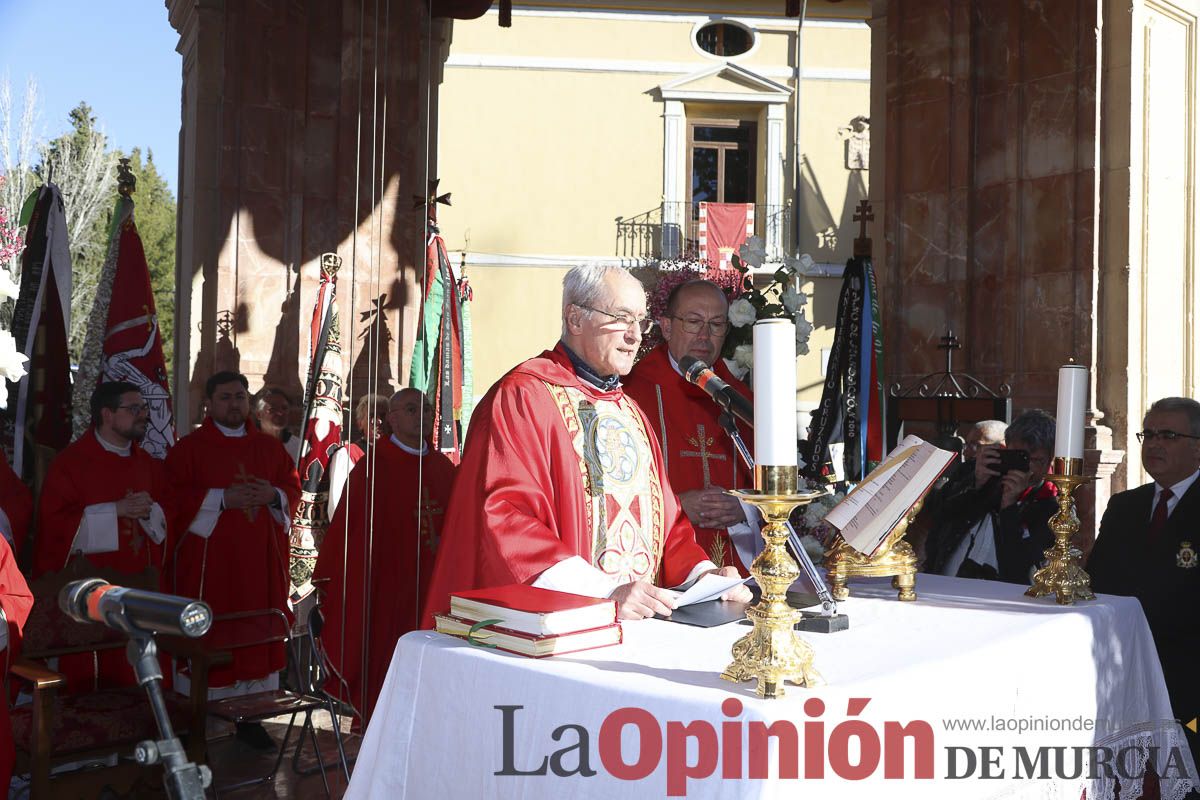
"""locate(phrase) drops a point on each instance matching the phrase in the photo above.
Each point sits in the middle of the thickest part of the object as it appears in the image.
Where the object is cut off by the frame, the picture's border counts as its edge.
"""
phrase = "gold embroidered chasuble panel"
(623, 497)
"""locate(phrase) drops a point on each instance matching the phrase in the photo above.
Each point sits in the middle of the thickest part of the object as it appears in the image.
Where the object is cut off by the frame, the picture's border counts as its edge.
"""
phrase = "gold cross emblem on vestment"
(702, 442)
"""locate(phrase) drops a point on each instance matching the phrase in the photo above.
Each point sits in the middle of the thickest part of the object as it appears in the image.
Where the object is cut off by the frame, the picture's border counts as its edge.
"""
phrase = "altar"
(972, 691)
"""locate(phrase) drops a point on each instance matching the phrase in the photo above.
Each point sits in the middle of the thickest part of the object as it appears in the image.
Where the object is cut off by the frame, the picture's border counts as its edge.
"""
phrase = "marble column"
(304, 131)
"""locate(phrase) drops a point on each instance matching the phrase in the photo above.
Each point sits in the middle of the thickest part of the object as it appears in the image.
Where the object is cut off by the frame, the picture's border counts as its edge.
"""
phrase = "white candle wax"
(1072, 404)
(775, 392)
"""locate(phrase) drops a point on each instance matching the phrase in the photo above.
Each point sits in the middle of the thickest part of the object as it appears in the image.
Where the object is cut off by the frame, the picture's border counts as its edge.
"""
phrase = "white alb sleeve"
(209, 513)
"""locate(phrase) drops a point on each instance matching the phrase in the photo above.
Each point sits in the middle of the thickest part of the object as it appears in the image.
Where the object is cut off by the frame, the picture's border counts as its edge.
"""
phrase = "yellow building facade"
(588, 133)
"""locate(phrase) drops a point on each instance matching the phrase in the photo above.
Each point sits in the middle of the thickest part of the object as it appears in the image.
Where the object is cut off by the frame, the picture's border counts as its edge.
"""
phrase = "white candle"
(1072, 403)
(775, 392)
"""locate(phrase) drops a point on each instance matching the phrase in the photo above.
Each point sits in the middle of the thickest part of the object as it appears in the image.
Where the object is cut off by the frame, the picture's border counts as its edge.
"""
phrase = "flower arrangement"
(779, 298)
(12, 362)
(669, 274)
(816, 535)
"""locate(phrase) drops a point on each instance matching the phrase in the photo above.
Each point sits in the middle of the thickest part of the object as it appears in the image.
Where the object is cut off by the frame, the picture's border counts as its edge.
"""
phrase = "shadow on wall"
(301, 166)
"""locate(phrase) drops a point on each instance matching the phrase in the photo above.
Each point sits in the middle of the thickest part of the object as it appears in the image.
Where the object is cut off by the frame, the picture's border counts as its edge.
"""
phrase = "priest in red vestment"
(380, 548)
(105, 496)
(701, 459)
(16, 508)
(15, 603)
(109, 499)
(562, 483)
(236, 489)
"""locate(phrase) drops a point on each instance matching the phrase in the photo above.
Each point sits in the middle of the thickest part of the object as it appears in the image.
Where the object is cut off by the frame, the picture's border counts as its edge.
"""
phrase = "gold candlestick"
(894, 557)
(773, 652)
(1063, 576)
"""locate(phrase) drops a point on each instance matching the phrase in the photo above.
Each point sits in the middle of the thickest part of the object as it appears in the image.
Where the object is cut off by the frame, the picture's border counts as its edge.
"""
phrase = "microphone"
(134, 610)
(697, 372)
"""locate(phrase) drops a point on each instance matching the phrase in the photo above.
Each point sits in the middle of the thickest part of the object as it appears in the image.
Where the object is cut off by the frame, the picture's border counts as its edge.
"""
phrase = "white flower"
(813, 546)
(753, 252)
(742, 313)
(12, 363)
(743, 356)
(792, 299)
(801, 264)
(804, 330)
(8, 287)
(739, 371)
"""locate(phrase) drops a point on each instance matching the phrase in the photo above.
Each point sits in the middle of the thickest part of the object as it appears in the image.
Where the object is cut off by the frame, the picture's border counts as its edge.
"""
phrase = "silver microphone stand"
(827, 620)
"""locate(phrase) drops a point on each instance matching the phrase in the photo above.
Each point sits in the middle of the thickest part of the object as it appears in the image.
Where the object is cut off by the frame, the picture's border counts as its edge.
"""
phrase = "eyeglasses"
(694, 325)
(137, 409)
(642, 324)
(1166, 436)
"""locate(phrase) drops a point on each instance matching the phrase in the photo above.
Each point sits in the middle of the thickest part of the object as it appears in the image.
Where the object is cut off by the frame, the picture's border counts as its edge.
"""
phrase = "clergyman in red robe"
(16, 601)
(380, 547)
(562, 483)
(105, 496)
(108, 499)
(236, 489)
(701, 459)
(16, 508)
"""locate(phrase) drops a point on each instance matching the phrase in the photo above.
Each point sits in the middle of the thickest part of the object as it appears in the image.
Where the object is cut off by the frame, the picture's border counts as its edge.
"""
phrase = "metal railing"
(671, 230)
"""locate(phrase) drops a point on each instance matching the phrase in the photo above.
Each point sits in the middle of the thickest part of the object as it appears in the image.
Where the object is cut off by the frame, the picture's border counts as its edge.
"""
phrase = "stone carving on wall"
(857, 136)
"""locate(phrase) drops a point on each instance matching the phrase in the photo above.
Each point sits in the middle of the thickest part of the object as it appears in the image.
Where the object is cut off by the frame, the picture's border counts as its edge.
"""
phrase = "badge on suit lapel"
(1186, 557)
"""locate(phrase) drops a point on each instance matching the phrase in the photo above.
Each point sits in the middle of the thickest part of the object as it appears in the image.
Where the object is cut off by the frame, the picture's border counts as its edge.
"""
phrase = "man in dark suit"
(1148, 544)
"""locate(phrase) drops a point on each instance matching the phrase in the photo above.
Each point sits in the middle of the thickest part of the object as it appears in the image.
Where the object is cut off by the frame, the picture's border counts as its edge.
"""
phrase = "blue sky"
(118, 55)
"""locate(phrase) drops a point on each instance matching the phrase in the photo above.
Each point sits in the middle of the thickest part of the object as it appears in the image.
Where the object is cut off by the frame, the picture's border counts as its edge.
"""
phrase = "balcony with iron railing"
(671, 230)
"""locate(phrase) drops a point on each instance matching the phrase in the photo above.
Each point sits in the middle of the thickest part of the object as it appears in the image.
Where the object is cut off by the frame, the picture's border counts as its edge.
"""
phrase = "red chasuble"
(16, 600)
(697, 450)
(555, 468)
(243, 565)
(408, 495)
(86, 474)
(17, 503)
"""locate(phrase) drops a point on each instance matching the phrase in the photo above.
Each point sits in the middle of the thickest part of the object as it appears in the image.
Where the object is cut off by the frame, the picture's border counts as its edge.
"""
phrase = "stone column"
(990, 197)
(304, 132)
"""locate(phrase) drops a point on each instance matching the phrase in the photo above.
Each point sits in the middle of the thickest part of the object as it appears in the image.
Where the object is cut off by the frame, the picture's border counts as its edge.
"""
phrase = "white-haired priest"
(562, 482)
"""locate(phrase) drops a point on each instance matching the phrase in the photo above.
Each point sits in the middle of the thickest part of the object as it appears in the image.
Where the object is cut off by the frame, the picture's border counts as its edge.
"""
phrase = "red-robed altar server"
(16, 601)
(562, 483)
(236, 490)
(16, 508)
(380, 547)
(105, 496)
(701, 460)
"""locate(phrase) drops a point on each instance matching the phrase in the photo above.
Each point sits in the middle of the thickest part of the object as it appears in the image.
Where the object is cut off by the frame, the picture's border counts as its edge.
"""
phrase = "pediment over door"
(726, 83)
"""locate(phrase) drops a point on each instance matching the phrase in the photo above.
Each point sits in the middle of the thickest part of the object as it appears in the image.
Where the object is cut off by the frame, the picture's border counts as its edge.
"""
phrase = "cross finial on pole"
(431, 199)
(949, 343)
(862, 215)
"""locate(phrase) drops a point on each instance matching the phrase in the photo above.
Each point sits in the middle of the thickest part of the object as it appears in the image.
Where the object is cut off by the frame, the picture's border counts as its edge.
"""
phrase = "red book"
(526, 644)
(528, 609)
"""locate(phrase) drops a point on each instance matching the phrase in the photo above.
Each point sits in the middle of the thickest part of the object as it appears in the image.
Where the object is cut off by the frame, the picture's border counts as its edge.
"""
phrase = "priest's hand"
(711, 507)
(740, 593)
(249, 494)
(641, 599)
(987, 464)
(135, 505)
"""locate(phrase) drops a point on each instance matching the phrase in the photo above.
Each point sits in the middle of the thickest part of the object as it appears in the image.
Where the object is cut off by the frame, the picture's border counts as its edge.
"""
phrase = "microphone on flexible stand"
(697, 372)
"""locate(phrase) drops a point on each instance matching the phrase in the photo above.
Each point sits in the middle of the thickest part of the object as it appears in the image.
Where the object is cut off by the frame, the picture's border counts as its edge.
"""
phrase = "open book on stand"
(869, 513)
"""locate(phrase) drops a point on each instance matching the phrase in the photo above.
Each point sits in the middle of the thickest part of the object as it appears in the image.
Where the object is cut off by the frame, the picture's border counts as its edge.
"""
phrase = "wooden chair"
(59, 728)
(264, 627)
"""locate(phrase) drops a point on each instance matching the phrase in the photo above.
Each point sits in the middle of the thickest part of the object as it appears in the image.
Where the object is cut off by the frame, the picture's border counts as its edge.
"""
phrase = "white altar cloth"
(968, 654)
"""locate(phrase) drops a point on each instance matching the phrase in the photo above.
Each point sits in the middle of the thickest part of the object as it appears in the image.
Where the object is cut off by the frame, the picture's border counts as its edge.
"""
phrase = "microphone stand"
(183, 779)
(827, 620)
